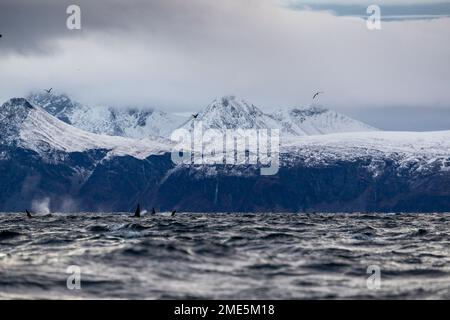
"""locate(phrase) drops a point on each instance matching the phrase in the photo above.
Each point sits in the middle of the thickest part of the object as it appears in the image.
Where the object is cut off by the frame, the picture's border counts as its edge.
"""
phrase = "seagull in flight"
(195, 116)
(317, 94)
(49, 90)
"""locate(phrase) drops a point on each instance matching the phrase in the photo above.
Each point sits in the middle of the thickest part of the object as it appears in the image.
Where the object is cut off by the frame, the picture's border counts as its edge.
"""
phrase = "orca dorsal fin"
(28, 214)
(173, 213)
(153, 211)
(137, 213)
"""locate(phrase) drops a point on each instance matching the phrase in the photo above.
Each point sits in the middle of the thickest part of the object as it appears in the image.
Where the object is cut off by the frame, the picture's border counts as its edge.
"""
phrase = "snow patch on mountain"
(125, 122)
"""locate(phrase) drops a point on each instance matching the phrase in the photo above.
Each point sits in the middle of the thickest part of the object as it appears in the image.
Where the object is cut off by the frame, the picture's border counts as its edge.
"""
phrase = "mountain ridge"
(228, 112)
(126, 122)
(29, 126)
(42, 157)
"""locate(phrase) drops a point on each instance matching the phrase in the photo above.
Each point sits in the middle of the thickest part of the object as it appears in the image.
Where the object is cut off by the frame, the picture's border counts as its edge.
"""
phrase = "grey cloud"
(178, 55)
(30, 26)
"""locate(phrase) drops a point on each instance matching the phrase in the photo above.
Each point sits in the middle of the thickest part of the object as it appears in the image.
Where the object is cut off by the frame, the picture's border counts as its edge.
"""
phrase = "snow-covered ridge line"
(431, 143)
(39, 131)
(223, 113)
(233, 113)
(33, 128)
(420, 152)
(126, 122)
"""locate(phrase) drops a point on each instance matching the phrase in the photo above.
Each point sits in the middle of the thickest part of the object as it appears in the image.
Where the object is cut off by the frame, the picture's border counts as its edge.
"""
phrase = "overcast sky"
(178, 55)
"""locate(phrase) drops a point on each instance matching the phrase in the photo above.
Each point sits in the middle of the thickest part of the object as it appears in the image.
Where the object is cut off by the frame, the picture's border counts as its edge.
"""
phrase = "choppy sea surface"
(225, 256)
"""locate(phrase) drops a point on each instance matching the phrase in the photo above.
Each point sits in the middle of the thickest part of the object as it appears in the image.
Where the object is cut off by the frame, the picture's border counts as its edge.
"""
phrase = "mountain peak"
(29, 126)
(58, 105)
(231, 106)
(17, 103)
(227, 99)
(12, 115)
(15, 108)
(230, 112)
(49, 98)
(128, 122)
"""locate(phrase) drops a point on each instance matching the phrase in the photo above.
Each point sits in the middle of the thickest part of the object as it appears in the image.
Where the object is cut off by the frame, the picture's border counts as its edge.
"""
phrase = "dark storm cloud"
(30, 26)
(178, 55)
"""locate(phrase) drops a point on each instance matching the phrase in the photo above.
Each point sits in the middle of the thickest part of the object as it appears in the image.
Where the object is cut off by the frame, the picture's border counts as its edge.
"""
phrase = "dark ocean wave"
(228, 256)
(6, 234)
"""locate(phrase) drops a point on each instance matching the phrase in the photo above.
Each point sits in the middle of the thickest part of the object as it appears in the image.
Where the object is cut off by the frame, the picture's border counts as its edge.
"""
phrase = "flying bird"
(49, 90)
(317, 94)
(195, 116)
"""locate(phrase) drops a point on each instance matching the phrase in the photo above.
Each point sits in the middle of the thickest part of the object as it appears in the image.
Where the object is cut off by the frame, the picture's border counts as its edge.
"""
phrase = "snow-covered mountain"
(28, 126)
(316, 120)
(125, 122)
(43, 157)
(233, 113)
(223, 113)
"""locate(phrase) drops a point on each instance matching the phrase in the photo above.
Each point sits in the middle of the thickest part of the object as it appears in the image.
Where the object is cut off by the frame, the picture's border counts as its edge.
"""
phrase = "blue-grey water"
(225, 256)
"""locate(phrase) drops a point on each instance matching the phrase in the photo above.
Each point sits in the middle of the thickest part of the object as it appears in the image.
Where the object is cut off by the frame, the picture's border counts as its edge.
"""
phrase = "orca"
(153, 211)
(28, 214)
(173, 213)
(137, 213)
